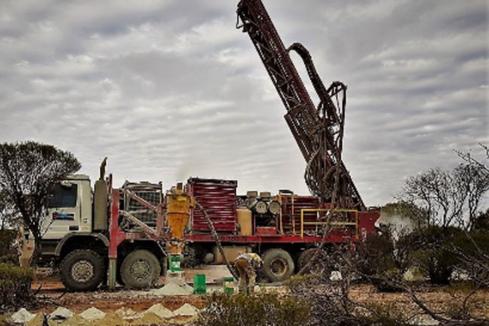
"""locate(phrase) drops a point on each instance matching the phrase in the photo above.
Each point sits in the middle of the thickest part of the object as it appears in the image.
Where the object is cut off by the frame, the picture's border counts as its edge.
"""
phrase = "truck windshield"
(63, 196)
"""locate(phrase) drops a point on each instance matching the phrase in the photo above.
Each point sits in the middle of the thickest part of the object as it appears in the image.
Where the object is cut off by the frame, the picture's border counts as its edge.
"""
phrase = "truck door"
(63, 210)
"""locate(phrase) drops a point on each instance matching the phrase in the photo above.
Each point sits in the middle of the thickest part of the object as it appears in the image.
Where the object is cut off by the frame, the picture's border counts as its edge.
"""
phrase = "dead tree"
(27, 171)
(448, 197)
(476, 180)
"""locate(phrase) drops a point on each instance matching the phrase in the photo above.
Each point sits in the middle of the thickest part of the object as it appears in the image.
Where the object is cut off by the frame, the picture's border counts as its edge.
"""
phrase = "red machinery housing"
(297, 227)
(298, 222)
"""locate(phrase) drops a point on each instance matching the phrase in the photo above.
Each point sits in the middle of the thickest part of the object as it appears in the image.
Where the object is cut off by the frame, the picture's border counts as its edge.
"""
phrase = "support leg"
(112, 272)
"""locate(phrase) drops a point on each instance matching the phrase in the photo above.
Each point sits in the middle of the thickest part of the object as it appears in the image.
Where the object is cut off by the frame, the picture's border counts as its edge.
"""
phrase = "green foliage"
(376, 255)
(15, 286)
(438, 251)
(481, 221)
(260, 309)
(432, 252)
(8, 254)
(472, 253)
(27, 172)
(472, 243)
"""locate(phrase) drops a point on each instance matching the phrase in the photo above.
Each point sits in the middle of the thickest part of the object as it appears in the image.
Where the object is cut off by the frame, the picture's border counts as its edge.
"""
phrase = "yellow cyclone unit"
(178, 205)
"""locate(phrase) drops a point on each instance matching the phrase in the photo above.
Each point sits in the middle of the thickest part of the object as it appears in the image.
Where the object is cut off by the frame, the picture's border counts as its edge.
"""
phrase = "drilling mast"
(318, 131)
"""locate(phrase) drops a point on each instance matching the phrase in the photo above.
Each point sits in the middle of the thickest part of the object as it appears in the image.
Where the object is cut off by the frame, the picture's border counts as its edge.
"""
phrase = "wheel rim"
(279, 267)
(82, 271)
(141, 270)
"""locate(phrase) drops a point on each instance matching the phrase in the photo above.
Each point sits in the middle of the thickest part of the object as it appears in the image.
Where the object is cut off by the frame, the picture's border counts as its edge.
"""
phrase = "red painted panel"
(116, 235)
(218, 197)
(366, 222)
(266, 230)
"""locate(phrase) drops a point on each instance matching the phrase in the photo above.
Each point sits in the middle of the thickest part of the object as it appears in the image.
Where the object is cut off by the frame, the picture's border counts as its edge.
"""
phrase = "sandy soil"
(443, 299)
(51, 291)
(52, 294)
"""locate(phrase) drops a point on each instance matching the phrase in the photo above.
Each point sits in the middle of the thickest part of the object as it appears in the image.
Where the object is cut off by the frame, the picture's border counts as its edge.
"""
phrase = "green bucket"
(174, 262)
(199, 284)
(229, 285)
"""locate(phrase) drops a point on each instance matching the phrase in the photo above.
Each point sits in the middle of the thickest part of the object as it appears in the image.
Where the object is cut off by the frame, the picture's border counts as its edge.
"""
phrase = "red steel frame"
(117, 235)
(365, 226)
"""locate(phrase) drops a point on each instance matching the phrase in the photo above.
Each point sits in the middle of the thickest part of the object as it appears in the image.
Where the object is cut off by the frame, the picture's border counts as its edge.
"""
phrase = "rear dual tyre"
(278, 265)
(140, 269)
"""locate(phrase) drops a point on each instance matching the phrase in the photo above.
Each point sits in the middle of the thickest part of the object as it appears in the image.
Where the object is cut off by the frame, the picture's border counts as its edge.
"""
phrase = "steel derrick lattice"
(318, 131)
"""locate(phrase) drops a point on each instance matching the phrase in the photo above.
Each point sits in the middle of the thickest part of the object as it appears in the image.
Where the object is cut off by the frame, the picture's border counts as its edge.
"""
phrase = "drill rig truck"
(126, 235)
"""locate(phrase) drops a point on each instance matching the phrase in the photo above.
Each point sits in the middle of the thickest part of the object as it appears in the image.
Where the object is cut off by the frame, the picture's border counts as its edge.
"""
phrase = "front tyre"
(140, 269)
(278, 265)
(82, 270)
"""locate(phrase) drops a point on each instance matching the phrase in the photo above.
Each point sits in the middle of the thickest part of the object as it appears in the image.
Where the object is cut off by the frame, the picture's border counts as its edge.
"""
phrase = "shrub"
(325, 300)
(472, 253)
(296, 282)
(378, 261)
(375, 255)
(385, 314)
(15, 286)
(332, 305)
(473, 243)
(260, 309)
(388, 281)
(432, 251)
(481, 221)
(437, 262)
(8, 254)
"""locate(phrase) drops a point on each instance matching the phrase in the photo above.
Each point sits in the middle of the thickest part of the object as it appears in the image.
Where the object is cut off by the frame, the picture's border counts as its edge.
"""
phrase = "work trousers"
(247, 276)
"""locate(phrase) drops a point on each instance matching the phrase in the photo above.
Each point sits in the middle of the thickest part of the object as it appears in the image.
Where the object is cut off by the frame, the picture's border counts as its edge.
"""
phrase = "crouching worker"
(247, 264)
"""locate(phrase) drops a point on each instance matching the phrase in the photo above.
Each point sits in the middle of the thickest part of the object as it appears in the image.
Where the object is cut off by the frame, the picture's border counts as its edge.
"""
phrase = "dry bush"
(8, 254)
(259, 310)
(15, 286)
(331, 305)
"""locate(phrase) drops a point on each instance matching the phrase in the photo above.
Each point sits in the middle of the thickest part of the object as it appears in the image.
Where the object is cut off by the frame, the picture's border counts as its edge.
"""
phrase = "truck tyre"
(278, 265)
(82, 270)
(140, 269)
(318, 265)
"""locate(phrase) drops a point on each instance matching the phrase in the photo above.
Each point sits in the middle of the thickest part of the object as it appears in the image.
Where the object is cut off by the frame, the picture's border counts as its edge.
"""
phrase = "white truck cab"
(69, 207)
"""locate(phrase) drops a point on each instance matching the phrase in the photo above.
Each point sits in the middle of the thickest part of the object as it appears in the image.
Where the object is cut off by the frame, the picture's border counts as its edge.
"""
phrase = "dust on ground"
(51, 290)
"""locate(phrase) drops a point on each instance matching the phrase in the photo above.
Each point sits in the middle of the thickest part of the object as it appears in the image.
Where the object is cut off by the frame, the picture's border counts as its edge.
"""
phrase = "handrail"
(332, 224)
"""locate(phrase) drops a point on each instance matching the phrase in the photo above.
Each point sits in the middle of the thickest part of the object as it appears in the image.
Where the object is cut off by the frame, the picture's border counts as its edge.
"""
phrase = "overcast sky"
(170, 89)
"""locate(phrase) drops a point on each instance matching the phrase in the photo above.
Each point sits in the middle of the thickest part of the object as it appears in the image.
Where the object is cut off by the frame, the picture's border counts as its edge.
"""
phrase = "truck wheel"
(82, 270)
(140, 269)
(278, 265)
(318, 265)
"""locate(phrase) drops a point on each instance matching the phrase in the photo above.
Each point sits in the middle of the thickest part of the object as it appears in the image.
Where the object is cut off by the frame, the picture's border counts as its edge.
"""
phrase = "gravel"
(61, 313)
(186, 310)
(22, 316)
(92, 314)
(173, 289)
(160, 311)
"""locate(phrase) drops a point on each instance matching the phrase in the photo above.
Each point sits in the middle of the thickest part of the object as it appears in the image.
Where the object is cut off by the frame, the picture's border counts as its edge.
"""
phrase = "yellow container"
(244, 221)
(231, 252)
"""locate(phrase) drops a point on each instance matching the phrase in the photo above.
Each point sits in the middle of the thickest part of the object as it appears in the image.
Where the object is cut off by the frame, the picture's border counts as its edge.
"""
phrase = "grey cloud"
(169, 89)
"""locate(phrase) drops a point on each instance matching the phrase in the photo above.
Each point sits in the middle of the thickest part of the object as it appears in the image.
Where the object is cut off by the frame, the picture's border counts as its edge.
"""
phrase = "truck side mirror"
(66, 184)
